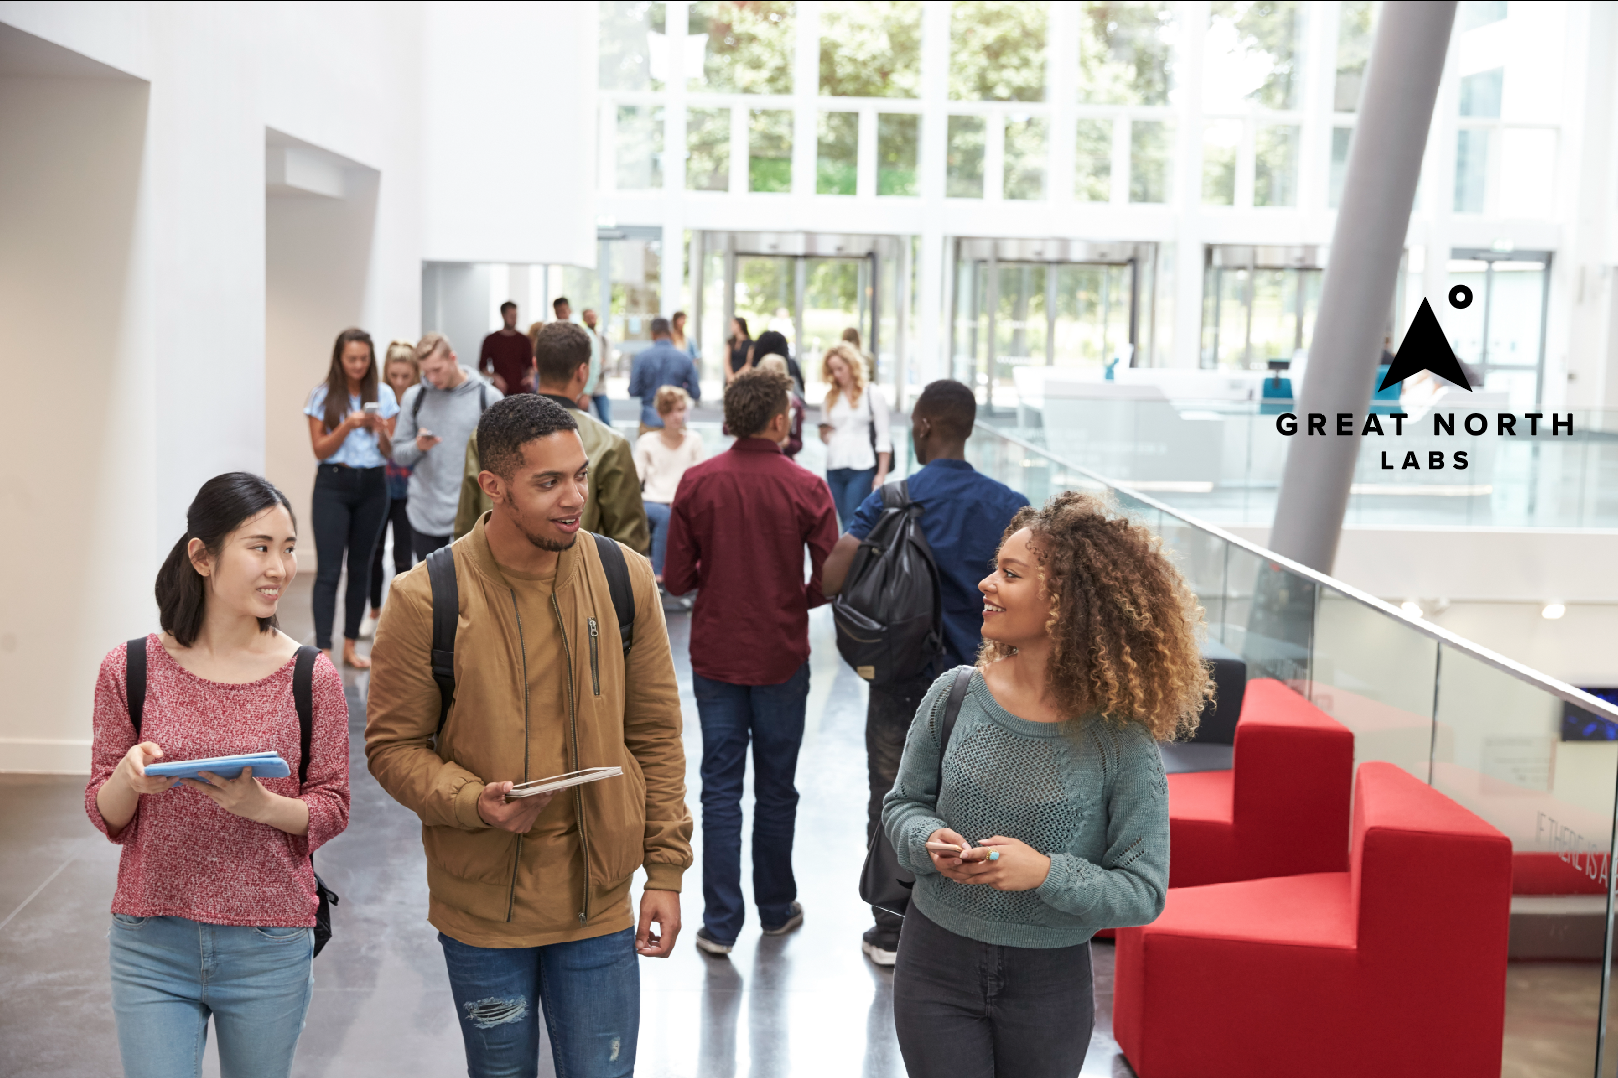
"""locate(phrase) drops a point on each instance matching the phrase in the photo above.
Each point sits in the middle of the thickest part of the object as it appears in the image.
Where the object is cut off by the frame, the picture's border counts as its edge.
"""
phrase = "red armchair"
(1395, 967)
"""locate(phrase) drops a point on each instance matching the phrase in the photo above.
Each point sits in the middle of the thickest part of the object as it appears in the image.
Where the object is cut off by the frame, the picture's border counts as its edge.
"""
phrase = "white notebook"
(562, 782)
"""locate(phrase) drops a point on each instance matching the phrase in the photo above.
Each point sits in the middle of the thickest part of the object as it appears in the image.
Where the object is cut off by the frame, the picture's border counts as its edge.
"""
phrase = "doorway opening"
(1258, 304)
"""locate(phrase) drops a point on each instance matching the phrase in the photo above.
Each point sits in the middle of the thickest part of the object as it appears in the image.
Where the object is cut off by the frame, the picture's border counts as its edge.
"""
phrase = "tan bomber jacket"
(622, 710)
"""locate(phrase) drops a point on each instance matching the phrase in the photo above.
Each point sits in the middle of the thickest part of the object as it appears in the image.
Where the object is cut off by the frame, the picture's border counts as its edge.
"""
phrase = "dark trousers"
(888, 716)
(425, 544)
(348, 507)
(402, 548)
(771, 718)
(965, 1009)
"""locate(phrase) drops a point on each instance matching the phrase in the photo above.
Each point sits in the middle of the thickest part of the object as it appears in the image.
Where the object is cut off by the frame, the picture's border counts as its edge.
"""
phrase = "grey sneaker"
(794, 919)
(710, 945)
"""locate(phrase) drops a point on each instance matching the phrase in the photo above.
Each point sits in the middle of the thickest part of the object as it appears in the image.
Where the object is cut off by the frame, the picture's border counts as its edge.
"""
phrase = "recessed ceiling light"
(1553, 611)
(1411, 607)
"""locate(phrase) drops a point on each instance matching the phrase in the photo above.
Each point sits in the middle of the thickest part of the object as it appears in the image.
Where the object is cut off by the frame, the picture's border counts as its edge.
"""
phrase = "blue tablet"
(265, 765)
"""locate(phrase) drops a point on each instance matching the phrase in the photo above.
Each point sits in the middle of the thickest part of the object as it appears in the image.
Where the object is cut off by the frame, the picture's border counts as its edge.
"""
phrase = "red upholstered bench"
(1395, 967)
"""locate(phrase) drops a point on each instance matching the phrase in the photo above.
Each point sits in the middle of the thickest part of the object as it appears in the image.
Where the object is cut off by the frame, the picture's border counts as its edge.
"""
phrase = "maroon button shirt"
(737, 530)
(509, 355)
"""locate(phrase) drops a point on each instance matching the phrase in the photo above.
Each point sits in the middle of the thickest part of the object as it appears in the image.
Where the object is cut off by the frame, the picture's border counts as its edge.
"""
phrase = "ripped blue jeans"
(589, 991)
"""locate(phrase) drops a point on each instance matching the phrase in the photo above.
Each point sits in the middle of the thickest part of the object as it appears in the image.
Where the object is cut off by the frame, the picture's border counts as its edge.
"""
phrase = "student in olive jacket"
(533, 895)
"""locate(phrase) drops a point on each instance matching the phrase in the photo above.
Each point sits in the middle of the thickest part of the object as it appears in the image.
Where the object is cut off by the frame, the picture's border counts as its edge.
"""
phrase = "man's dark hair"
(508, 305)
(660, 328)
(512, 423)
(755, 398)
(770, 343)
(559, 349)
(560, 301)
(951, 407)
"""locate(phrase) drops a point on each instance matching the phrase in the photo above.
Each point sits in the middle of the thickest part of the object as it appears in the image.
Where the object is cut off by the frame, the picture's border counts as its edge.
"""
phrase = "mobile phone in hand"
(373, 407)
(948, 849)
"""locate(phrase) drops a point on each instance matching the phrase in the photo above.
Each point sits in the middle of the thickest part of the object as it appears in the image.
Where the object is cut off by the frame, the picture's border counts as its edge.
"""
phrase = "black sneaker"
(709, 945)
(881, 947)
(794, 919)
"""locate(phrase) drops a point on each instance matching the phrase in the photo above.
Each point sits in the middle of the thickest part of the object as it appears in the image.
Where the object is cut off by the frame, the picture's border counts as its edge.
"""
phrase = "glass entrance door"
(811, 300)
(1501, 336)
(1256, 307)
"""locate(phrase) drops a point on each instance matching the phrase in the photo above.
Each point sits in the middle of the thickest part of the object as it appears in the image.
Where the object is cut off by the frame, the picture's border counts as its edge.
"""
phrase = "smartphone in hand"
(947, 849)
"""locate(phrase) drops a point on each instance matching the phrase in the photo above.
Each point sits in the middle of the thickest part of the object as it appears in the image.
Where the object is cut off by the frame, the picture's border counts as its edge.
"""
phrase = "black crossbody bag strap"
(952, 711)
(135, 681)
(446, 617)
(303, 695)
(623, 595)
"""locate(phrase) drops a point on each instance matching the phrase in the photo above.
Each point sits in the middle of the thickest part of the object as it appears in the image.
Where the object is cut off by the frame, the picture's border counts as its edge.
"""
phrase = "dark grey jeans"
(888, 715)
(965, 1009)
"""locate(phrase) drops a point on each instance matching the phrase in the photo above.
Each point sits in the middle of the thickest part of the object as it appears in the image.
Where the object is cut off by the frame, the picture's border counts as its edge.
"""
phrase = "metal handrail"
(1509, 666)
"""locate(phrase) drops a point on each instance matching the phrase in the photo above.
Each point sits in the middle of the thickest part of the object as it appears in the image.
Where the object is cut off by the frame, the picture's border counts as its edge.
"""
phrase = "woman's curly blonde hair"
(1123, 623)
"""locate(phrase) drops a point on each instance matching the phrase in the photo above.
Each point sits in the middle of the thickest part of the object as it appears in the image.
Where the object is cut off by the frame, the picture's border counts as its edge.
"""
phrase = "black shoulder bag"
(883, 883)
(303, 695)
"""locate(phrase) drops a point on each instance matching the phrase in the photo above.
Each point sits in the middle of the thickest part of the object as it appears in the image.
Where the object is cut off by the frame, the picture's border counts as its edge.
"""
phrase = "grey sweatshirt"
(435, 485)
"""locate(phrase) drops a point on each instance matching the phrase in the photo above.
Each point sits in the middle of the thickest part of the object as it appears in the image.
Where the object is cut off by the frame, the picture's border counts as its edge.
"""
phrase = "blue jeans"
(169, 974)
(590, 993)
(772, 717)
(657, 518)
(603, 405)
(849, 487)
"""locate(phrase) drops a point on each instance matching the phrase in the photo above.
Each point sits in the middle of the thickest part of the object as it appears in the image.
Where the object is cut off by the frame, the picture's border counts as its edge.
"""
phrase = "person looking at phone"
(531, 897)
(401, 371)
(350, 428)
(1053, 792)
(214, 874)
(437, 418)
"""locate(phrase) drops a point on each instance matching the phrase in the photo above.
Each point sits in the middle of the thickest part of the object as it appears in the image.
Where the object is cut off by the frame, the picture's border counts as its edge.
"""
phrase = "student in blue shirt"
(350, 504)
(661, 365)
(965, 515)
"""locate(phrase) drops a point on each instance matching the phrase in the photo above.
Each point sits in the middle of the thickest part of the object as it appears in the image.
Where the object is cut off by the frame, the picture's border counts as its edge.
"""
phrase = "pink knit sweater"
(184, 856)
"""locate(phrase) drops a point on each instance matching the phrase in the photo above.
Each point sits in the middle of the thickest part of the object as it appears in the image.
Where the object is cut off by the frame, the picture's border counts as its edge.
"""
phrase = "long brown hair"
(1123, 624)
(337, 378)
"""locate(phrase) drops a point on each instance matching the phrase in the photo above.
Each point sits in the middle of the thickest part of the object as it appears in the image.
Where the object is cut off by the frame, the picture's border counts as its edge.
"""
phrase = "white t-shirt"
(660, 467)
(850, 444)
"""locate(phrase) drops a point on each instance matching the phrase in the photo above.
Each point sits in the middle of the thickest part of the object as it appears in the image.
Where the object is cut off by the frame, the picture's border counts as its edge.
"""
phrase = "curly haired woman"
(1053, 792)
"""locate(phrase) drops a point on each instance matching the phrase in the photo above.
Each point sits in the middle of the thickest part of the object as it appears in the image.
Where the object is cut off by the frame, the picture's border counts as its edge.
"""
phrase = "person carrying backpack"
(525, 650)
(963, 515)
(215, 913)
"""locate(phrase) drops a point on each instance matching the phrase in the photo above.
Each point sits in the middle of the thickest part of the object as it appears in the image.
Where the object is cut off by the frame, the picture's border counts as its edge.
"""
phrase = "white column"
(931, 340)
(671, 281)
(1187, 194)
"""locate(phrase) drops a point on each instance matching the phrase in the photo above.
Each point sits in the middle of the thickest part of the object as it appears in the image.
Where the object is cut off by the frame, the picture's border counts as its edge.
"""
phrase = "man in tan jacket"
(532, 895)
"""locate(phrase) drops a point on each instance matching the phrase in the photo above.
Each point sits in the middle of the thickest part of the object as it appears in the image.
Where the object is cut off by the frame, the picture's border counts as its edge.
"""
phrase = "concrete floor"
(809, 1003)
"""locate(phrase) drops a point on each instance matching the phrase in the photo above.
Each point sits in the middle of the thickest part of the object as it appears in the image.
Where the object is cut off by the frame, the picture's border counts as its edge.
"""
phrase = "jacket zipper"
(573, 732)
(595, 667)
(511, 898)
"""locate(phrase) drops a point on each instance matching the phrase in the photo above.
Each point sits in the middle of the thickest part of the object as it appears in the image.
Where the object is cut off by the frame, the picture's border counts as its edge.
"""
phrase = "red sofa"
(1395, 967)
(1281, 810)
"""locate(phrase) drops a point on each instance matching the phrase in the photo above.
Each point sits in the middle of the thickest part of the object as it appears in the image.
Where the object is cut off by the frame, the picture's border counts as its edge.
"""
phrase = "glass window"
(997, 50)
(749, 48)
(707, 150)
(1471, 169)
(1220, 142)
(838, 154)
(1151, 154)
(1354, 21)
(1252, 54)
(1527, 172)
(1092, 161)
(1476, 13)
(870, 49)
(1126, 53)
(1275, 165)
(1481, 92)
(963, 157)
(1341, 137)
(1024, 158)
(898, 139)
(769, 150)
(629, 32)
(639, 151)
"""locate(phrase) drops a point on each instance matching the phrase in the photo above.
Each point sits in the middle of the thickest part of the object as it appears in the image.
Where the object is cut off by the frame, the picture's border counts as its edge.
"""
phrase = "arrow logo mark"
(1425, 348)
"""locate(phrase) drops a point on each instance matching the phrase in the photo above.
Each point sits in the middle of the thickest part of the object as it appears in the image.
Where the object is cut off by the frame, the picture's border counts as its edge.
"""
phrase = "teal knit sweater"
(1092, 799)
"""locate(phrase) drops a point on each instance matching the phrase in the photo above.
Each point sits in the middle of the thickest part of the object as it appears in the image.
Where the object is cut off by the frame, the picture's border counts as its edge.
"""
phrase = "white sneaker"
(875, 948)
(368, 625)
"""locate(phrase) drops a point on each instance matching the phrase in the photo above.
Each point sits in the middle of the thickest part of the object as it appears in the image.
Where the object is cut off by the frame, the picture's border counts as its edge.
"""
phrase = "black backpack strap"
(483, 397)
(415, 407)
(446, 618)
(303, 695)
(623, 595)
(135, 681)
(952, 710)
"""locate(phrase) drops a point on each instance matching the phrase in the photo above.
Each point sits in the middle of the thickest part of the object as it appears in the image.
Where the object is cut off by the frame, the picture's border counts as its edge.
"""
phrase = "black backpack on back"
(890, 618)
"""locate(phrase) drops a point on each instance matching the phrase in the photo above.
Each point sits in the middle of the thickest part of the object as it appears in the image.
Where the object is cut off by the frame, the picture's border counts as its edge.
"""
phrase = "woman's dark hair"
(741, 324)
(224, 504)
(337, 378)
(770, 343)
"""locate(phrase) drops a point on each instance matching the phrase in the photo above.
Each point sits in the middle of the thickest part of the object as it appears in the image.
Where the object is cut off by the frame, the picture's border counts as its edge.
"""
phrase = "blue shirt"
(964, 515)
(359, 449)
(661, 365)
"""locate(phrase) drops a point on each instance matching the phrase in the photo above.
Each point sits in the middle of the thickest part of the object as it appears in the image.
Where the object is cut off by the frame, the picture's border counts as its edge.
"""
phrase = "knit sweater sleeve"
(1129, 884)
(910, 809)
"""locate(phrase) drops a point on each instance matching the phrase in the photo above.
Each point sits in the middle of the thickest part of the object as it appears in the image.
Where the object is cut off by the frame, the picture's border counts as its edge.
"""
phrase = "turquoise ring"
(994, 855)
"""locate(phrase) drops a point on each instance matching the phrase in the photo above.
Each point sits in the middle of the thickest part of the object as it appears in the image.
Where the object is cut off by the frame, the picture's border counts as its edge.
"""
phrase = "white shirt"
(850, 444)
(660, 467)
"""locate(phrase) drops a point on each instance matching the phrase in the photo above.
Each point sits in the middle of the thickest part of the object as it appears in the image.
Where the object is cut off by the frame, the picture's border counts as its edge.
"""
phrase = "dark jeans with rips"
(402, 547)
(348, 507)
(888, 715)
(965, 1009)
(771, 718)
(588, 991)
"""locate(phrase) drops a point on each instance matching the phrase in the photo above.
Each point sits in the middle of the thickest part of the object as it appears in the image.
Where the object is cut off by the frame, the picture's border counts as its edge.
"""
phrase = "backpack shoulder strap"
(896, 495)
(135, 680)
(446, 618)
(952, 711)
(415, 406)
(623, 595)
(483, 397)
(303, 695)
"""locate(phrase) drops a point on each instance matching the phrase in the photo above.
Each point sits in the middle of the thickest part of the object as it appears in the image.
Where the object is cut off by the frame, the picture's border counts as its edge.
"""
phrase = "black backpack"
(447, 606)
(890, 620)
(303, 696)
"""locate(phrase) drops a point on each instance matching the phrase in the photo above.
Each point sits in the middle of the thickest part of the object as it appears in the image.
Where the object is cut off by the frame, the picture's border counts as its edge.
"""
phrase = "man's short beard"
(550, 544)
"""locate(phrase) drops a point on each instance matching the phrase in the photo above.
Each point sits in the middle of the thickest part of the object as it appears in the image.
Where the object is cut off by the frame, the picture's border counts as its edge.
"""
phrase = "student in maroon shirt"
(737, 532)
(507, 355)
